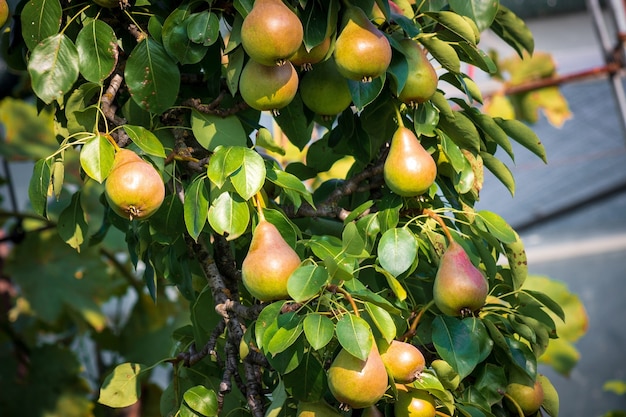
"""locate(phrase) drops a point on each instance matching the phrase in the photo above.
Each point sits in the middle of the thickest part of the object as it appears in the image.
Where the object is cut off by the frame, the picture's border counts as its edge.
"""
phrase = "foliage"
(164, 294)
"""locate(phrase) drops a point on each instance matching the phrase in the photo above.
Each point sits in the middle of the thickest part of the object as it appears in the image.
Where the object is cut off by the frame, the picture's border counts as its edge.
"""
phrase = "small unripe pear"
(409, 169)
(362, 51)
(316, 409)
(550, 396)
(421, 82)
(269, 263)
(459, 288)
(271, 32)
(265, 87)
(324, 90)
(134, 189)
(413, 403)
(306, 58)
(403, 361)
(355, 382)
(528, 398)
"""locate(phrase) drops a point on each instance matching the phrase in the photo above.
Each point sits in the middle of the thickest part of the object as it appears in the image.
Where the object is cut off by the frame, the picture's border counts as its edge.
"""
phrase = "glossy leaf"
(266, 319)
(122, 387)
(97, 51)
(212, 131)
(397, 250)
(382, 320)
(455, 344)
(482, 12)
(289, 328)
(152, 77)
(318, 329)
(201, 400)
(425, 119)
(145, 140)
(53, 67)
(196, 206)
(225, 161)
(500, 170)
(96, 157)
(40, 19)
(363, 93)
(352, 241)
(176, 41)
(523, 135)
(229, 215)
(491, 382)
(354, 335)
(290, 183)
(443, 53)
(308, 381)
(249, 178)
(203, 28)
(306, 281)
(72, 226)
(497, 226)
(454, 23)
(38, 187)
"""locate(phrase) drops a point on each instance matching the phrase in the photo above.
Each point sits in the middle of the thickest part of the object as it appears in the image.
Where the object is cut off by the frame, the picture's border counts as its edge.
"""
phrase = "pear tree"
(267, 208)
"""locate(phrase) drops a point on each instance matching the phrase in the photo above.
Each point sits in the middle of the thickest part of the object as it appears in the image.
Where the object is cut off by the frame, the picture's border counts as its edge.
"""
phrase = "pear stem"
(347, 296)
(112, 141)
(439, 220)
(399, 116)
(258, 202)
(413, 328)
(441, 413)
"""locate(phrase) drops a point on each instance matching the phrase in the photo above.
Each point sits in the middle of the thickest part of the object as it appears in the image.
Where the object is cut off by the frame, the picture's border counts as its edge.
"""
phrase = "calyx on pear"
(355, 382)
(268, 264)
(271, 32)
(362, 51)
(404, 361)
(134, 189)
(459, 288)
(409, 169)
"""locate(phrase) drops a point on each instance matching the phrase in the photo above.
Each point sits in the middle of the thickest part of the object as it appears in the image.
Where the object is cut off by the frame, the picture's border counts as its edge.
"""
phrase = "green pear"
(271, 32)
(316, 409)
(355, 382)
(459, 288)
(324, 90)
(421, 82)
(362, 51)
(265, 87)
(269, 263)
(413, 402)
(409, 169)
(528, 397)
(550, 396)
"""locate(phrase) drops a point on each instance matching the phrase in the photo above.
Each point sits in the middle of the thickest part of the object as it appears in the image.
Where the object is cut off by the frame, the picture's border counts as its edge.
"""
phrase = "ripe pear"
(268, 264)
(413, 402)
(404, 362)
(529, 398)
(134, 189)
(316, 409)
(550, 396)
(355, 382)
(459, 288)
(409, 169)
(265, 87)
(306, 58)
(4, 12)
(324, 90)
(446, 374)
(422, 80)
(271, 32)
(362, 51)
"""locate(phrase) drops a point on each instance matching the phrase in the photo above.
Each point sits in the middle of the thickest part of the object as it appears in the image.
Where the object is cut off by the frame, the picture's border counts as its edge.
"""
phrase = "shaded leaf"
(196, 207)
(38, 187)
(72, 226)
(455, 344)
(212, 131)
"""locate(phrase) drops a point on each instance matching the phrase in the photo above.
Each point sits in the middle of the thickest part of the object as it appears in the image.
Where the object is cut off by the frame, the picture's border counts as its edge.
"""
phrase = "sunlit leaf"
(306, 281)
(122, 387)
(318, 329)
(456, 344)
(354, 335)
(397, 250)
(229, 215)
(97, 51)
(212, 131)
(145, 140)
(40, 19)
(202, 400)
(196, 206)
(96, 157)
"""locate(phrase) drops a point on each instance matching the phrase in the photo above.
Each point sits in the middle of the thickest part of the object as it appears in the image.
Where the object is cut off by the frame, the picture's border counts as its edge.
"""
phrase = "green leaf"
(354, 335)
(425, 119)
(40, 19)
(53, 67)
(497, 226)
(38, 187)
(443, 52)
(250, 177)
(523, 135)
(500, 170)
(289, 328)
(212, 131)
(352, 241)
(393, 283)
(318, 329)
(461, 130)
(491, 382)
(518, 264)
(547, 301)
(306, 282)
(363, 93)
(166, 220)
(454, 23)
(229, 215)
(145, 140)
(382, 320)
(96, 157)
(482, 12)
(295, 123)
(279, 396)
(201, 400)
(267, 319)
(308, 381)
(196, 207)
(72, 226)
(81, 115)
(122, 387)
(176, 41)
(97, 51)
(203, 28)
(511, 29)
(397, 250)
(152, 77)
(225, 161)
(289, 182)
(265, 139)
(456, 344)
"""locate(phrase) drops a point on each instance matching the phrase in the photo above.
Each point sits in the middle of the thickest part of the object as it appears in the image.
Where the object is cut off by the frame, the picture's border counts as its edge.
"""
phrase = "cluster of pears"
(134, 189)
(269, 263)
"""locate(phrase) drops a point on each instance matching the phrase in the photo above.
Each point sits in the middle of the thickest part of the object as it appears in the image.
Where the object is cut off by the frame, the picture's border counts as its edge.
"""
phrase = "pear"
(528, 398)
(265, 87)
(413, 402)
(355, 382)
(271, 32)
(372, 411)
(362, 51)
(4, 12)
(134, 189)
(409, 169)
(404, 362)
(306, 58)
(324, 90)
(550, 396)
(459, 288)
(422, 80)
(268, 264)
(316, 409)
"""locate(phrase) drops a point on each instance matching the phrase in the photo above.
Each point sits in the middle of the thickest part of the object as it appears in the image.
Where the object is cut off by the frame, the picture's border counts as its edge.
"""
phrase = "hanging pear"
(404, 361)
(459, 288)
(414, 403)
(324, 90)
(269, 263)
(265, 87)
(271, 32)
(355, 382)
(362, 51)
(305, 59)
(421, 82)
(409, 169)
(316, 409)
(134, 189)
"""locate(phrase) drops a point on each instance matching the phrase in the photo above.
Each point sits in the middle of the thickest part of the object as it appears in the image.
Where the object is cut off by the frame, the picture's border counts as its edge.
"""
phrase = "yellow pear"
(403, 361)
(414, 403)
(265, 87)
(422, 80)
(269, 263)
(409, 169)
(316, 409)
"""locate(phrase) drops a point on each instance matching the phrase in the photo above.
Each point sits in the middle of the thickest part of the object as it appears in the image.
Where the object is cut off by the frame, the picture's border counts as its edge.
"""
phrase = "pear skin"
(324, 90)
(414, 403)
(529, 398)
(355, 382)
(362, 51)
(265, 87)
(269, 263)
(271, 32)
(316, 409)
(404, 361)
(422, 80)
(459, 288)
(409, 169)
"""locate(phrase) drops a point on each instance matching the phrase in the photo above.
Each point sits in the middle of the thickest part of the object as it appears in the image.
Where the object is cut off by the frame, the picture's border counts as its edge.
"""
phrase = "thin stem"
(441, 413)
(399, 116)
(258, 202)
(347, 296)
(517, 407)
(439, 220)
(413, 328)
